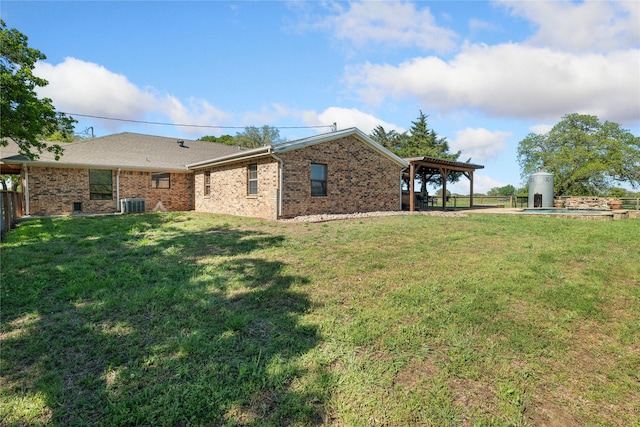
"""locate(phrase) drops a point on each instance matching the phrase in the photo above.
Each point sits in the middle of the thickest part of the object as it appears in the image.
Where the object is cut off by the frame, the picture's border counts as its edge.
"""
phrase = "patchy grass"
(193, 319)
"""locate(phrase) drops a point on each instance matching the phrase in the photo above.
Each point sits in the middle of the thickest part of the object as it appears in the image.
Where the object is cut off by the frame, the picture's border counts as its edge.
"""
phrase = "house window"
(252, 179)
(100, 184)
(318, 180)
(160, 180)
(207, 184)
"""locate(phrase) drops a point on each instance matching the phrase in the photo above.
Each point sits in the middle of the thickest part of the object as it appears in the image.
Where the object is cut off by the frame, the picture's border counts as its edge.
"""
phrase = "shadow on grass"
(134, 321)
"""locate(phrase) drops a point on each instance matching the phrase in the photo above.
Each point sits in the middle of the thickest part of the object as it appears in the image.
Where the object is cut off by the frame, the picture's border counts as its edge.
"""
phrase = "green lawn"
(192, 319)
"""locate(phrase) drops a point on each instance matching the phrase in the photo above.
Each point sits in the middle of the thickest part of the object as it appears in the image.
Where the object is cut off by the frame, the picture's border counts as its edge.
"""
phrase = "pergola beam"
(440, 167)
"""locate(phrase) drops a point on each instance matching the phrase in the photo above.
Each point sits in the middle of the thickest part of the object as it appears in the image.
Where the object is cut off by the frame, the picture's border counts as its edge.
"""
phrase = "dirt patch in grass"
(547, 414)
(416, 372)
(476, 397)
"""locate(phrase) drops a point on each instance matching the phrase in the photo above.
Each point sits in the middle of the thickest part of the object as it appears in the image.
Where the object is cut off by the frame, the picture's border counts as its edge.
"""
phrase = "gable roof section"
(127, 151)
(301, 143)
(326, 137)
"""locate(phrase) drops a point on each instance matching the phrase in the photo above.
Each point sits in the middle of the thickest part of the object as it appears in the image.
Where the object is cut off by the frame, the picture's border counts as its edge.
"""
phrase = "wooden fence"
(11, 208)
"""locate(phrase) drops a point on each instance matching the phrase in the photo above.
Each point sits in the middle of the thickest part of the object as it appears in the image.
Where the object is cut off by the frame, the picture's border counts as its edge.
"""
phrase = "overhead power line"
(332, 126)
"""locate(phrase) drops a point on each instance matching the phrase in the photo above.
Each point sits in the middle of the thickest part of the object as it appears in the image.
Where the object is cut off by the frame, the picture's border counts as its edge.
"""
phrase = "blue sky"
(486, 73)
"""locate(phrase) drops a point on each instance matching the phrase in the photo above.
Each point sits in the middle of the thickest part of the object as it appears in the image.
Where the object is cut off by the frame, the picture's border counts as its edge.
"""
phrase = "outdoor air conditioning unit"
(133, 205)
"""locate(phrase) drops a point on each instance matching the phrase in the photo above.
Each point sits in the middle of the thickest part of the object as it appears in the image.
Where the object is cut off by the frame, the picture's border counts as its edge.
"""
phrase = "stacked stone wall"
(597, 203)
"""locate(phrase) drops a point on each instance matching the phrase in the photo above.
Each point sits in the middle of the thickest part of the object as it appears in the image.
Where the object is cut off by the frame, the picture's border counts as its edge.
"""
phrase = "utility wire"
(194, 126)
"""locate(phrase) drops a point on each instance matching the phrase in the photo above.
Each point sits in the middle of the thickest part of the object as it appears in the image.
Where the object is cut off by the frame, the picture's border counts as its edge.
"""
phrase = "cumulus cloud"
(346, 118)
(389, 23)
(82, 87)
(511, 80)
(590, 26)
(541, 128)
(479, 144)
(88, 88)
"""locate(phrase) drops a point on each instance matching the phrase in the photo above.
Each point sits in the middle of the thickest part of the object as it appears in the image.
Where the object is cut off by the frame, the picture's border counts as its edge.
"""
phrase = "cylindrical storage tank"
(541, 190)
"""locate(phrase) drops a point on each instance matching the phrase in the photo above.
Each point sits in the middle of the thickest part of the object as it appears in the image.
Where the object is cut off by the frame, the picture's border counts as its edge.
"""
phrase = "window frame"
(98, 184)
(252, 179)
(323, 182)
(160, 177)
(207, 184)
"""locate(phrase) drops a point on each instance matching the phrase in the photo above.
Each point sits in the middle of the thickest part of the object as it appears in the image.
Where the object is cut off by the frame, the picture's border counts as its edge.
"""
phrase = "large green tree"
(24, 117)
(391, 140)
(223, 139)
(423, 141)
(254, 137)
(420, 141)
(586, 156)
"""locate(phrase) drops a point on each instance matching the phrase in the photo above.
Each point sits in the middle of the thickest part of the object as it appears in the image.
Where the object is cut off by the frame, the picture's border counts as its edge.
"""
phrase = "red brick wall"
(359, 179)
(229, 189)
(179, 197)
(53, 191)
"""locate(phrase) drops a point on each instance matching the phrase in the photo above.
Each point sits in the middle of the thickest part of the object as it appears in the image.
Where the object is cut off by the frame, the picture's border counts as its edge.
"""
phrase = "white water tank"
(541, 190)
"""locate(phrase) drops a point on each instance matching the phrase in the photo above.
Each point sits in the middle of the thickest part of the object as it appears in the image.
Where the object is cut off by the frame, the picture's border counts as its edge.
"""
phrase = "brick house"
(338, 172)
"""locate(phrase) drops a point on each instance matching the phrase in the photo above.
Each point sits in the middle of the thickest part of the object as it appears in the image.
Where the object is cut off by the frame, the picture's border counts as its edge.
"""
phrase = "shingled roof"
(126, 150)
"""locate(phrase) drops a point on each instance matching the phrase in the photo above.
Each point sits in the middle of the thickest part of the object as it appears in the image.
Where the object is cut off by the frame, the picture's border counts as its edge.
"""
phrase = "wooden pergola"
(428, 167)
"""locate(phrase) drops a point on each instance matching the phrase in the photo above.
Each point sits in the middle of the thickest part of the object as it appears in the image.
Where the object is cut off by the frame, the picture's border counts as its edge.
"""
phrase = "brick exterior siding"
(359, 179)
(229, 188)
(53, 191)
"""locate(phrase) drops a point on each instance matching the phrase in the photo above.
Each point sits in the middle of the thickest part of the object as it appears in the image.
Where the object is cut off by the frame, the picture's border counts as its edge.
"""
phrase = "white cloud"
(510, 80)
(541, 128)
(389, 23)
(479, 144)
(590, 26)
(81, 87)
(346, 118)
(88, 88)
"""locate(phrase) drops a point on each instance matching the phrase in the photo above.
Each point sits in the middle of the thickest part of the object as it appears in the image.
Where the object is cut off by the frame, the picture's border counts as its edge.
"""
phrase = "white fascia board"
(306, 142)
(54, 164)
(236, 157)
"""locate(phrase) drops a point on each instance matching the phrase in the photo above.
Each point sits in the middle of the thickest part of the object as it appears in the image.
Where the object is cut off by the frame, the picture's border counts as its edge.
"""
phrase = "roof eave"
(236, 157)
(93, 166)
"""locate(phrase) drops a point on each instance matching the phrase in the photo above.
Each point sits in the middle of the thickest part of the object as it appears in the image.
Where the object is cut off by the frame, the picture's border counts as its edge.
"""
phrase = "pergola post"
(432, 166)
(444, 173)
(412, 170)
(470, 176)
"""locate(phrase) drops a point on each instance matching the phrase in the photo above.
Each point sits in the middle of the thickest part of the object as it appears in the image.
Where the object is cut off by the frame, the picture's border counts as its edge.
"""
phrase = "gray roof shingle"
(129, 151)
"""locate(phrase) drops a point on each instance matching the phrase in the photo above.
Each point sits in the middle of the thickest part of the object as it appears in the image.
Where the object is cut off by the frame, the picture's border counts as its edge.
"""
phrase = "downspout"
(118, 205)
(26, 189)
(402, 171)
(280, 173)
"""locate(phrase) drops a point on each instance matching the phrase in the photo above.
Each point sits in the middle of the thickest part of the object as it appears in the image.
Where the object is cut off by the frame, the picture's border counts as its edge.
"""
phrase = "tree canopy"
(586, 157)
(420, 141)
(252, 137)
(223, 139)
(24, 117)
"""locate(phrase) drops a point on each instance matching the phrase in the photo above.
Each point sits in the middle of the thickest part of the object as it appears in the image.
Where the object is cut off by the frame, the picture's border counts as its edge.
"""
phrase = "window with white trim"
(252, 179)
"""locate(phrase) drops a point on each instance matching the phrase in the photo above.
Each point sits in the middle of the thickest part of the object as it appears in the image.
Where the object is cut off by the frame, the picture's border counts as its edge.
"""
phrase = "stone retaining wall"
(596, 203)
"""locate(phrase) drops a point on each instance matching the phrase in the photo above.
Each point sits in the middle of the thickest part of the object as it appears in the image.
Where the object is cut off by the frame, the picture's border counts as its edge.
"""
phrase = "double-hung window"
(318, 179)
(160, 180)
(252, 179)
(207, 184)
(100, 184)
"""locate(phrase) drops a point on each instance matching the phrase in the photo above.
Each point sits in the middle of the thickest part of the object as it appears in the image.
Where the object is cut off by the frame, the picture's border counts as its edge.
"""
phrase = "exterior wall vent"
(133, 205)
